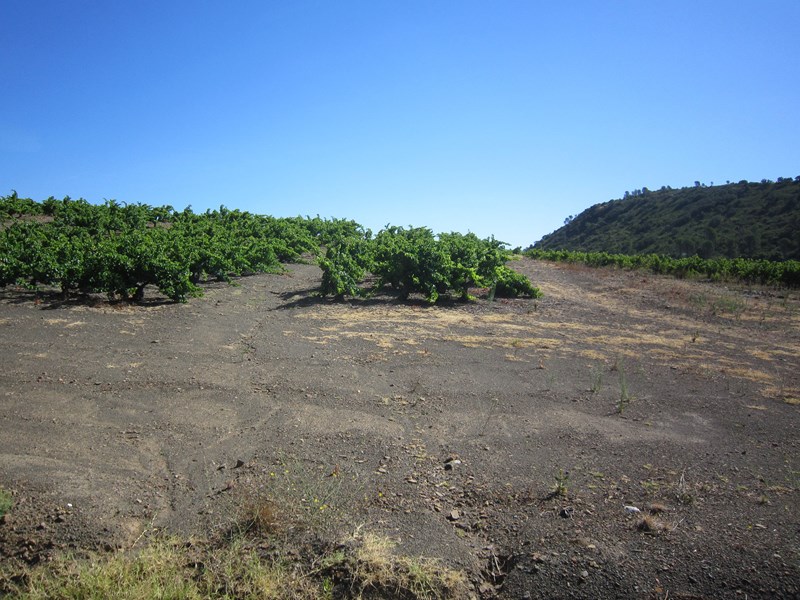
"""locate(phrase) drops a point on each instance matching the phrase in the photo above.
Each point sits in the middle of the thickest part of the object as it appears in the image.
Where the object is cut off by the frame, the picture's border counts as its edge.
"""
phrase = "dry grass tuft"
(377, 569)
(260, 516)
(649, 524)
(656, 508)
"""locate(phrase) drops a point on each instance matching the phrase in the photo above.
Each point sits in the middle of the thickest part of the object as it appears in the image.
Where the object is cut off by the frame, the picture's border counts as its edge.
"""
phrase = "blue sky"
(499, 117)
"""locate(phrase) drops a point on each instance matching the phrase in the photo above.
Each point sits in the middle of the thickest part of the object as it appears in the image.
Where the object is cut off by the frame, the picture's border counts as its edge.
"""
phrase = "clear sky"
(498, 117)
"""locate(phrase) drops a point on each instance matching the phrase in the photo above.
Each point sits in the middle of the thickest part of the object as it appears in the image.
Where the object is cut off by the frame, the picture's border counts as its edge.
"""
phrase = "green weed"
(560, 487)
(6, 501)
(624, 398)
(650, 486)
(314, 501)
(683, 494)
(597, 380)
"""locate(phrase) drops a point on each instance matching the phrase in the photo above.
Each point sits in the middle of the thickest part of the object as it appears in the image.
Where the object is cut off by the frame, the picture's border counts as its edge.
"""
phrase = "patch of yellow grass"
(571, 327)
(750, 373)
(761, 354)
(665, 337)
(594, 354)
(377, 568)
(185, 569)
(644, 339)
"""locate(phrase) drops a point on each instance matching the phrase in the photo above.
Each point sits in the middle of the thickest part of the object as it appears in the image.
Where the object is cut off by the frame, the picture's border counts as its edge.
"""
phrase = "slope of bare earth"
(505, 439)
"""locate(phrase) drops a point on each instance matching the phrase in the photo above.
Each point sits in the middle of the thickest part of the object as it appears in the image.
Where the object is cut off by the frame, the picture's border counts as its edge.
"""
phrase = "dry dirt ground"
(505, 439)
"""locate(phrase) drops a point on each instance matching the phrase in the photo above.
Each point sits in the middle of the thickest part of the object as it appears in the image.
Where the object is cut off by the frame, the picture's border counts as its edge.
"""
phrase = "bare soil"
(505, 439)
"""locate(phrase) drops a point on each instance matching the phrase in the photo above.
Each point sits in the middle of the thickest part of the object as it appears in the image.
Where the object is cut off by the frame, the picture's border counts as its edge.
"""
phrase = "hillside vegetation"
(745, 219)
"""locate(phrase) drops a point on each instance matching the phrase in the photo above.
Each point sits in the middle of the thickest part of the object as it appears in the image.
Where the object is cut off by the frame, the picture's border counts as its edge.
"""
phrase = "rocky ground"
(505, 439)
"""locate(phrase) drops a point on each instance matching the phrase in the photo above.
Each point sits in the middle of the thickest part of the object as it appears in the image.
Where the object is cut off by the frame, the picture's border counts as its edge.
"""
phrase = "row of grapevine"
(754, 271)
(414, 260)
(119, 249)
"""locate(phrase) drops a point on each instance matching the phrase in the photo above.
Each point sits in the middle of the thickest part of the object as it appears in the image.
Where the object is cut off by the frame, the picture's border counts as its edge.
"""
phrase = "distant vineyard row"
(120, 249)
(765, 272)
(414, 260)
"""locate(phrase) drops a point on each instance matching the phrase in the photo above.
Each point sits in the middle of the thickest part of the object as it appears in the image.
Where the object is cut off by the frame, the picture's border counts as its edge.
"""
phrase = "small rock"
(631, 509)
(583, 542)
(239, 464)
(450, 463)
(454, 515)
(584, 574)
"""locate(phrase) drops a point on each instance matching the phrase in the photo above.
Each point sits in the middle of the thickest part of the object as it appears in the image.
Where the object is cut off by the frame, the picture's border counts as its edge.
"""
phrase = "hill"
(745, 219)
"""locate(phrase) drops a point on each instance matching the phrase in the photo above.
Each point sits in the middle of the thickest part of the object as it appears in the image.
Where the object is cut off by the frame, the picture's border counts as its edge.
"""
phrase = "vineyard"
(121, 249)
(750, 271)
